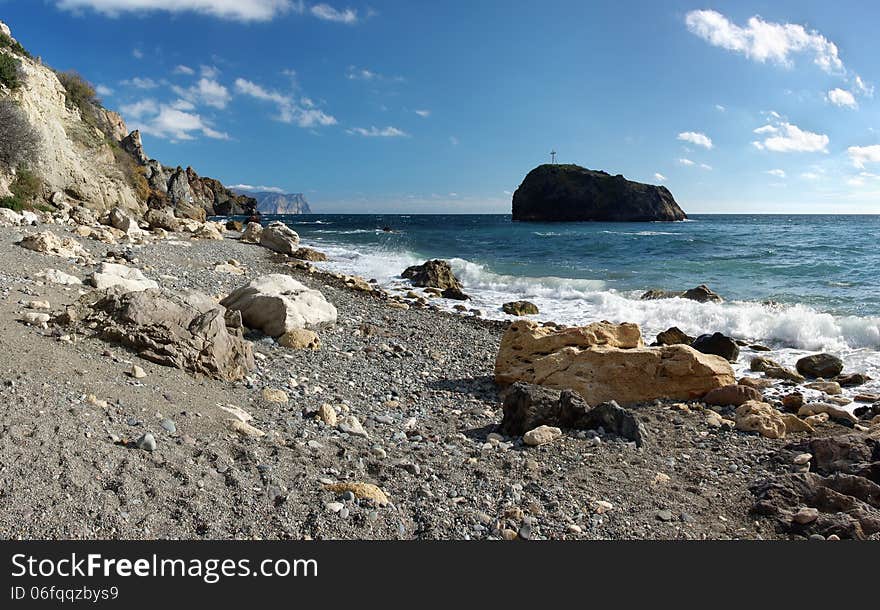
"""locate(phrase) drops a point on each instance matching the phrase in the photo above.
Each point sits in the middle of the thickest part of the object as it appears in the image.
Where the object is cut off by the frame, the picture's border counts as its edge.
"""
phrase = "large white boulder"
(128, 278)
(279, 237)
(10, 218)
(277, 303)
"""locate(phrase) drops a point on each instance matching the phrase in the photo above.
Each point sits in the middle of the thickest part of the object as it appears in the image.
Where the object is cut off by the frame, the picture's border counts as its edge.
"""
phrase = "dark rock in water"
(432, 274)
(734, 395)
(574, 193)
(674, 336)
(520, 308)
(234, 225)
(820, 365)
(701, 294)
(759, 364)
(455, 294)
(852, 379)
(527, 406)
(717, 344)
(759, 348)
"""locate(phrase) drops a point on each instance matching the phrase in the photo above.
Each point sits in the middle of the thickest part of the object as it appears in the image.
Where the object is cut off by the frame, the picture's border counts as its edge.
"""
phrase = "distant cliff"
(80, 152)
(574, 193)
(278, 203)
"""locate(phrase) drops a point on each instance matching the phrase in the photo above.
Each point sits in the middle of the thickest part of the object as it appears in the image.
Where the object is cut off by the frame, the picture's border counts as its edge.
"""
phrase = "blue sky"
(404, 106)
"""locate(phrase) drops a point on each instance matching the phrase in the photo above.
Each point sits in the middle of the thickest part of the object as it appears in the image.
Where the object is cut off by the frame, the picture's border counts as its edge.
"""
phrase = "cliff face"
(94, 161)
(574, 193)
(277, 203)
(71, 156)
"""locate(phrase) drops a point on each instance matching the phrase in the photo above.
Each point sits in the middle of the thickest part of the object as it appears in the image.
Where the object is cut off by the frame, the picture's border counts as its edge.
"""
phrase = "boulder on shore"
(432, 274)
(826, 366)
(277, 303)
(279, 237)
(574, 193)
(128, 279)
(182, 330)
(674, 336)
(604, 362)
(717, 344)
(520, 308)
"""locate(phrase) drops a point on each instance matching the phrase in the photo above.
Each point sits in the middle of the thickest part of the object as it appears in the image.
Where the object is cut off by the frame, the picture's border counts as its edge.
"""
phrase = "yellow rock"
(244, 428)
(274, 395)
(541, 435)
(754, 416)
(300, 338)
(327, 414)
(795, 424)
(815, 408)
(364, 491)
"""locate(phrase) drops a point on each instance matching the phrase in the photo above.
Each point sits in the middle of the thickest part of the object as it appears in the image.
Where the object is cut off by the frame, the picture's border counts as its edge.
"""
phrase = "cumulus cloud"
(861, 155)
(423, 113)
(862, 87)
(777, 173)
(765, 41)
(782, 136)
(206, 91)
(696, 138)
(842, 98)
(141, 83)
(103, 90)
(290, 109)
(659, 177)
(182, 69)
(375, 132)
(168, 122)
(240, 10)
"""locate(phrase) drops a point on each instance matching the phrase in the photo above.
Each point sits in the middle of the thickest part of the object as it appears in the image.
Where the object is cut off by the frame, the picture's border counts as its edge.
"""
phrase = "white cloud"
(241, 10)
(181, 69)
(785, 137)
(103, 90)
(659, 177)
(328, 13)
(860, 155)
(705, 167)
(375, 132)
(355, 73)
(423, 113)
(453, 140)
(256, 189)
(841, 97)
(810, 176)
(205, 91)
(137, 53)
(164, 121)
(141, 83)
(778, 173)
(290, 110)
(862, 87)
(720, 108)
(696, 138)
(764, 41)
(687, 162)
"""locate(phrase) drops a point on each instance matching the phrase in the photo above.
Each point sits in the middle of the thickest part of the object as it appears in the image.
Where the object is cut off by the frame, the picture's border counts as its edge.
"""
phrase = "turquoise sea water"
(795, 283)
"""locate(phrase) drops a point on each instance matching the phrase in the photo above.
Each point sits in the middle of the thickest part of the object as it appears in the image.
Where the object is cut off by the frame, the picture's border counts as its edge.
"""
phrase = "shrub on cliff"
(9, 71)
(80, 94)
(13, 45)
(26, 190)
(134, 174)
(18, 138)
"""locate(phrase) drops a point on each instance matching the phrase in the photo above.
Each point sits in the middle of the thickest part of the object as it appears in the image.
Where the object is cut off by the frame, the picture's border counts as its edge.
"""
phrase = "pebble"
(137, 372)
(146, 442)
(169, 426)
(334, 507)
(541, 435)
(352, 425)
(806, 515)
(803, 458)
(602, 506)
(665, 515)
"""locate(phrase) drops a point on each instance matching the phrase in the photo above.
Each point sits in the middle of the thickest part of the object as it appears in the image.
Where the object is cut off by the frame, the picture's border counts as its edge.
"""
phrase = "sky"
(443, 107)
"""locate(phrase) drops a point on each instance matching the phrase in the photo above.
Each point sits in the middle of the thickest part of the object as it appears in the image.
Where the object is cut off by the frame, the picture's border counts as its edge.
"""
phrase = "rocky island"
(571, 193)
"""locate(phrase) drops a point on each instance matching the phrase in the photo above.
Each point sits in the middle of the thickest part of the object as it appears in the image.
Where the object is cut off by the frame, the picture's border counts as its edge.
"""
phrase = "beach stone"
(128, 279)
(186, 331)
(760, 417)
(10, 218)
(779, 372)
(792, 402)
(47, 242)
(162, 218)
(759, 364)
(274, 395)
(351, 425)
(327, 414)
(38, 305)
(717, 344)
(541, 435)
(806, 515)
(278, 237)
(309, 254)
(363, 491)
(731, 395)
(852, 379)
(833, 411)
(756, 382)
(32, 317)
(674, 336)
(242, 428)
(829, 387)
(604, 362)
(252, 233)
(300, 338)
(146, 442)
(119, 219)
(277, 304)
(433, 274)
(137, 372)
(168, 425)
(520, 308)
(820, 365)
(802, 458)
(54, 276)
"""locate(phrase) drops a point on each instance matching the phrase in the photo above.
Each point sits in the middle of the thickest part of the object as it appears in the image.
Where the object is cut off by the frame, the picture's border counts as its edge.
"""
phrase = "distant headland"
(560, 193)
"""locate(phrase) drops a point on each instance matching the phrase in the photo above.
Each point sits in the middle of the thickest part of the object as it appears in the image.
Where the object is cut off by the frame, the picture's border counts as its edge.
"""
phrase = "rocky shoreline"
(355, 413)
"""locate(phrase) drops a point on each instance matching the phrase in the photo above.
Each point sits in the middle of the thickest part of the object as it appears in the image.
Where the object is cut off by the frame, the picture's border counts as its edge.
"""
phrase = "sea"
(795, 283)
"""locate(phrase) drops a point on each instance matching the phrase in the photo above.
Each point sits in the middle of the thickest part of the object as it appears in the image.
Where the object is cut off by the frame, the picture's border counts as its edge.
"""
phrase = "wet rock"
(852, 380)
(779, 372)
(731, 395)
(820, 365)
(702, 294)
(828, 387)
(434, 274)
(520, 308)
(309, 254)
(759, 364)
(674, 336)
(717, 344)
